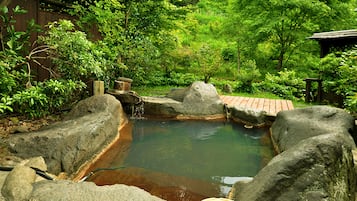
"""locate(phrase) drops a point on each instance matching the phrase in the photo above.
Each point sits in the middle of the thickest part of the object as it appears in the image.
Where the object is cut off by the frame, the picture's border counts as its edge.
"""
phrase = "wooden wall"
(41, 18)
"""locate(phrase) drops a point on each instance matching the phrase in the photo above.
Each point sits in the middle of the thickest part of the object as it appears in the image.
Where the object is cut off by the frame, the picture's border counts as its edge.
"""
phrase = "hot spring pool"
(184, 160)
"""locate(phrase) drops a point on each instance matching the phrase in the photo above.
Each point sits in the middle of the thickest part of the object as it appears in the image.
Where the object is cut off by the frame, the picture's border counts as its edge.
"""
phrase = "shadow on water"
(184, 160)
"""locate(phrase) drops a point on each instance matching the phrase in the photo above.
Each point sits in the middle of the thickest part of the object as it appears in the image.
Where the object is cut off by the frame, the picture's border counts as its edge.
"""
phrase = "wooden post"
(98, 88)
(308, 95)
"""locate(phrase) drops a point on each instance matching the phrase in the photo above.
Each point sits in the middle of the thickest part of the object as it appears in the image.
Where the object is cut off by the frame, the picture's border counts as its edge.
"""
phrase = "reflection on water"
(227, 182)
(187, 160)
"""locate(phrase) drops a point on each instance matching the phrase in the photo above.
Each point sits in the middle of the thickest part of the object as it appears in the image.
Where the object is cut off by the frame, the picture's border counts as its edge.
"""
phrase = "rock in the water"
(18, 184)
(200, 99)
(319, 168)
(68, 190)
(316, 162)
(248, 115)
(90, 126)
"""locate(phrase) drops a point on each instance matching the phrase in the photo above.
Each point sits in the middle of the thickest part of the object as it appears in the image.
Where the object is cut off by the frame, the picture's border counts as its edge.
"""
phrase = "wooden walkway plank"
(266, 106)
(278, 106)
(284, 105)
(261, 103)
(290, 105)
(271, 106)
(250, 103)
(244, 102)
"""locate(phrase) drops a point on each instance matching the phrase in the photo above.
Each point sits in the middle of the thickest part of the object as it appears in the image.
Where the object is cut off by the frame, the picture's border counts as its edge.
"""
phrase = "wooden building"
(330, 42)
(338, 40)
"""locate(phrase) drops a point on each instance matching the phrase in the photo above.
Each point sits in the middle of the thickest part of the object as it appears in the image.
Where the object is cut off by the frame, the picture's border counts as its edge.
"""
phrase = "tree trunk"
(280, 61)
(238, 57)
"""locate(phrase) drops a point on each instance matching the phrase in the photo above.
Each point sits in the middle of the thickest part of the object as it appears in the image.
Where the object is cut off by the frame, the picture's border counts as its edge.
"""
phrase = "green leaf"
(10, 44)
(4, 9)
(19, 10)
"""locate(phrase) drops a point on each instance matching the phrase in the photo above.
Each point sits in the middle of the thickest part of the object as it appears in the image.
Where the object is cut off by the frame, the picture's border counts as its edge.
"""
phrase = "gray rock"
(292, 126)
(319, 168)
(315, 162)
(227, 88)
(49, 190)
(3, 176)
(248, 115)
(91, 125)
(18, 184)
(38, 163)
(200, 99)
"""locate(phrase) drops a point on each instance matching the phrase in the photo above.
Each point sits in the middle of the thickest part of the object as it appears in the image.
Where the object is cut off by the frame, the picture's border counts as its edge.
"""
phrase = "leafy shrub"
(286, 84)
(229, 54)
(5, 104)
(61, 94)
(31, 102)
(339, 76)
(351, 103)
(248, 75)
(47, 97)
(14, 73)
(158, 78)
(182, 79)
(75, 57)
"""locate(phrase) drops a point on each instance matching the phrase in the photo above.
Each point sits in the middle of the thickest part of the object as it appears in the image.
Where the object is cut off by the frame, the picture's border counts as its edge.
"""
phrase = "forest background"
(254, 46)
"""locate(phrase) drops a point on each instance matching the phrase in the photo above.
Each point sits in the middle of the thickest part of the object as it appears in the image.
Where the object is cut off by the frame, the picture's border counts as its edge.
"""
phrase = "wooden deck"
(271, 106)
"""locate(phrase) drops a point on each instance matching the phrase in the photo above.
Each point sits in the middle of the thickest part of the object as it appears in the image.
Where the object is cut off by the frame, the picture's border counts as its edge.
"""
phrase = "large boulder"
(290, 127)
(91, 125)
(199, 99)
(18, 184)
(316, 162)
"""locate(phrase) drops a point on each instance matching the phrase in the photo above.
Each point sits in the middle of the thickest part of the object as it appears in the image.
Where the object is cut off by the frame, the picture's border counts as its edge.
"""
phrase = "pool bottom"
(165, 186)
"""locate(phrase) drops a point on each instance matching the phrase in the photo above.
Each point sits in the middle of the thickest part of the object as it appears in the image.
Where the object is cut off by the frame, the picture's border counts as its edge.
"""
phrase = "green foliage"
(73, 54)
(11, 39)
(338, 73)
(229, 54)
(182, 79)
(47, 97)
(272, 31)
(285, 85)
(351, 103)
(208, 62)
(137, 32)
(61, 94)
(32, 102)
(14, 73)
(173, 79)
(18, 95)
(248, 76)
(6, 104)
